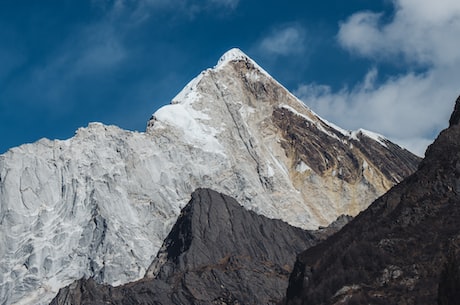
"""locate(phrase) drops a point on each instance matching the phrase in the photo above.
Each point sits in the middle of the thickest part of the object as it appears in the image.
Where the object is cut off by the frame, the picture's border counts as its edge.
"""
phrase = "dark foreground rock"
(396, 251)
(216, 253)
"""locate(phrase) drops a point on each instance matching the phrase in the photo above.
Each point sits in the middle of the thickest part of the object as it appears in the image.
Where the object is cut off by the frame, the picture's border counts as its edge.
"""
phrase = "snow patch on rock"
(301, 167)
(194, 132)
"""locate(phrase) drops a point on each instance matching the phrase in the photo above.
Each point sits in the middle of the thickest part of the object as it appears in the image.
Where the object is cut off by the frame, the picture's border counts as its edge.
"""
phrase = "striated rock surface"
(100, 204)
(216, 253)
(394, 252)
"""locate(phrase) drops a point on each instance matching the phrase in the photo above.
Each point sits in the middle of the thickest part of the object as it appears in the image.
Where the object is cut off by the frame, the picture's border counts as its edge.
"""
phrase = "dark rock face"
(324, 232)
(216, 253)
(331, 150)
(393, 252)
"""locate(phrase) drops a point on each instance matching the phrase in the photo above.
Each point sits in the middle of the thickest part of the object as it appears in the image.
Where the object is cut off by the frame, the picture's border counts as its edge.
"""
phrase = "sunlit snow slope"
(100, 204)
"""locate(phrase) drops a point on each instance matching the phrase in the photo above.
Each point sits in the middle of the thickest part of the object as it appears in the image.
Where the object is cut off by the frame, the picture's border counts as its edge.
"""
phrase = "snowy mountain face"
(100, 204)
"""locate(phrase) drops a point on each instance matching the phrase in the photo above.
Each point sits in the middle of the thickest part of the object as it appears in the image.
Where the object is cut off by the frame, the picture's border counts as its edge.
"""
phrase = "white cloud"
(406, 109)
(422, 31)
(410, 108)
(284, 40)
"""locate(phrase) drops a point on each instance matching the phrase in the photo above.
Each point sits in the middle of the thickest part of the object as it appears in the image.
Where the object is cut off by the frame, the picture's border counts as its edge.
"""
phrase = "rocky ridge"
(393, 252)
(216, 253)
(100, 204)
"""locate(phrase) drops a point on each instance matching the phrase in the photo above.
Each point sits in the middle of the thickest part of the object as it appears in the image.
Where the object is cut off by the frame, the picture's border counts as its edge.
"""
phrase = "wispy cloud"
(284, 40)
(141, 10)
(91, 52)
(231, 4)
(10, 59)
(409, 108)
(98, 50)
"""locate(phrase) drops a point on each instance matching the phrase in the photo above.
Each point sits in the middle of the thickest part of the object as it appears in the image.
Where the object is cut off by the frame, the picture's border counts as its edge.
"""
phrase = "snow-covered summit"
(236, 54)
(190, 92)
(232, 55)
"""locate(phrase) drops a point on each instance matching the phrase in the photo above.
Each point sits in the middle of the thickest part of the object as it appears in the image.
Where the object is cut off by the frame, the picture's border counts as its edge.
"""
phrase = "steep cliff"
(216, 253)
(394, 252)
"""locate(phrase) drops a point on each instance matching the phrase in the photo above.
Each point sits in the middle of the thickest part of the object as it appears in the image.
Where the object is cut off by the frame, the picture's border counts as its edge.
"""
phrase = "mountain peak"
(232, 55)
(455, 117)
(237, 109)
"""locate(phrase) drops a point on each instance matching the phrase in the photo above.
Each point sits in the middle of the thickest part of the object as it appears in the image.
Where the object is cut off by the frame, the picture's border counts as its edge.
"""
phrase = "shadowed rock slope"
(216, 253)
(393, 252)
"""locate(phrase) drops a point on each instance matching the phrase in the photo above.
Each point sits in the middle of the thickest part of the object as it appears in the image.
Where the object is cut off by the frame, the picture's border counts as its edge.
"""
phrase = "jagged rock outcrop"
(216, 253)
(100, 204)
(394, 252)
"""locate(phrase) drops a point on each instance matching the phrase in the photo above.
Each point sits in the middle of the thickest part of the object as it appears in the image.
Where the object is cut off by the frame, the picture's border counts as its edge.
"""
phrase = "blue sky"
(387, 66)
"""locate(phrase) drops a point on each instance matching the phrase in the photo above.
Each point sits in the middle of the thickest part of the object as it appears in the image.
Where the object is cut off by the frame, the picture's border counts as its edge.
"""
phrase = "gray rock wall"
(216, 253)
